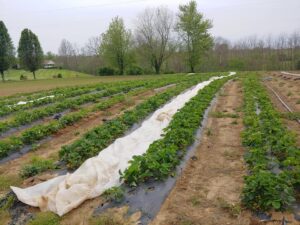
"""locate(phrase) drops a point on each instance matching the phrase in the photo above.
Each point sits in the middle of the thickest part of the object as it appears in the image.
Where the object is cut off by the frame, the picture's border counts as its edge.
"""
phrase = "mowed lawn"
(45, 81)
(14, 75)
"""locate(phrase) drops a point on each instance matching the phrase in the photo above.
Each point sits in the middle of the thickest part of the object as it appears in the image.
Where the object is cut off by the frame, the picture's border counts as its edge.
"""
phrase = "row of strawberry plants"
(27, 117)
(8, 108)
(165, 154)
(14, 99)
(39, 132)
(99, 138)
(273, 157)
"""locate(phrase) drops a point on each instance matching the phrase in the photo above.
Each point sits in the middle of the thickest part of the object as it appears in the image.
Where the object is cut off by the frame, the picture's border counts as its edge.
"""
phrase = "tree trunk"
(192, 68)
(157, 67)
(122, 69)
(34, 75)
(2, 75)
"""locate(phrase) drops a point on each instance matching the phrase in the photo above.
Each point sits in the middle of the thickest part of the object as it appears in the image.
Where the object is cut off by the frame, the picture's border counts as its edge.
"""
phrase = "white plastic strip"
(95, 175)
(24, 103)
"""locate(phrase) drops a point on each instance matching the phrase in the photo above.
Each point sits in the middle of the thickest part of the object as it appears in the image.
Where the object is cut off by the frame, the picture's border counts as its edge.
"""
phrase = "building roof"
(48, 62)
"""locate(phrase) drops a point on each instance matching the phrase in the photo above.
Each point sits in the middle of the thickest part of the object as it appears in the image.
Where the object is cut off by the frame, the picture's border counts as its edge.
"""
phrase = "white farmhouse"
(48, 64)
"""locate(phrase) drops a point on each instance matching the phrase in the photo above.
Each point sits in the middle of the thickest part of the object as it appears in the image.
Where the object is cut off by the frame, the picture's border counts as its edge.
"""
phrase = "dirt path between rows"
(208, 192)
(283, 88)
(66, 136)
(288, 89)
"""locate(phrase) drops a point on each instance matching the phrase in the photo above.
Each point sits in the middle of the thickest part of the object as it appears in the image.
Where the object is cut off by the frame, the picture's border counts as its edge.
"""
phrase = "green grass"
(45, 218)
(9, 180)
(43, 83)
(43, 74)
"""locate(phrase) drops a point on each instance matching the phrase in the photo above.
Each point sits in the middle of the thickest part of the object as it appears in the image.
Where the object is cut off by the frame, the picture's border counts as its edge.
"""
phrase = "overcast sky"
(77, 20)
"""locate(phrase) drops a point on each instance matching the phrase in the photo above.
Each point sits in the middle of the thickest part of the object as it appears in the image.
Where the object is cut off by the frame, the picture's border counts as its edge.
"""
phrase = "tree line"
(281, 52)
(157, 36)
(164, 42)
(161, 42)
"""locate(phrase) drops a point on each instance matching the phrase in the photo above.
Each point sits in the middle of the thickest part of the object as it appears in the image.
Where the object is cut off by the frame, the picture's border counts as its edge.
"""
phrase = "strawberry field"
(103, 141)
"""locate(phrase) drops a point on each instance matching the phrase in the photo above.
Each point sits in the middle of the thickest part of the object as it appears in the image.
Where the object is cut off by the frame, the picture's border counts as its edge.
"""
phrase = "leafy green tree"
(193, 30)
(6, 50)
(49, 56)
(116, 45)
(30, 52)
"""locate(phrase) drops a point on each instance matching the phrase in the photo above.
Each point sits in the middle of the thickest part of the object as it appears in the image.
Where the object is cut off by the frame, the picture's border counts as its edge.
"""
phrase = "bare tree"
(68, 54)
(92, 46)
(153, 34)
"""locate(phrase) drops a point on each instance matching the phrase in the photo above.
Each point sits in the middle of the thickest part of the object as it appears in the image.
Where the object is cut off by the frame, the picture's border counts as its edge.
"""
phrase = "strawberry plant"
(273, 158)
(164, 155)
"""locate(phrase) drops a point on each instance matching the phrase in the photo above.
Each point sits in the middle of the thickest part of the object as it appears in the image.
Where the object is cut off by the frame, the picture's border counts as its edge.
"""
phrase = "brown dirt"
(114, 216)
(291, 101)
(288, 89)
(68, 135)
(208, 191)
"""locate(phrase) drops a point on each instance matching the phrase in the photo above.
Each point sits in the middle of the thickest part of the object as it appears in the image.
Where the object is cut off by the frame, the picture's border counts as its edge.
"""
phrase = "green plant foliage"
(100, 137)
(107, 71)
(30, 52)
(265, 191)
(116, 45)
(6, 50)
(164, 155)
(236, 64)
(273, 157)
(36, 166)
(134, 70)
(115, 194)
(45, 218)
(193, 29)
(118, 92)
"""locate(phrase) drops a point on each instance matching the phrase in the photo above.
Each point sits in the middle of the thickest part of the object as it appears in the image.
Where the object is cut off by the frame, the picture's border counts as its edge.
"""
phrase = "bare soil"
(282, 88)
(209, 190)
(288, 87)
(66, 136)
(210, 187)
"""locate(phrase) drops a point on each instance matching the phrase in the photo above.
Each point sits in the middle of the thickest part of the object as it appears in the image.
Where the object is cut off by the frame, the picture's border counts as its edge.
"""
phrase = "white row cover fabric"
(24, 103)
(95, 175)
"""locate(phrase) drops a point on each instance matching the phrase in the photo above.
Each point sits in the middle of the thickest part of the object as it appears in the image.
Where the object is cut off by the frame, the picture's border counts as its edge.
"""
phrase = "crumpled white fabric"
(64, 193)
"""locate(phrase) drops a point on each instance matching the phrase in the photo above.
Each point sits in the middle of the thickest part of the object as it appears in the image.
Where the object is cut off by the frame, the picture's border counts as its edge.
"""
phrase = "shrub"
(169, 72)
(236, 64)
(134, 70)
(107, 71)
(23, 77)
(59, 75)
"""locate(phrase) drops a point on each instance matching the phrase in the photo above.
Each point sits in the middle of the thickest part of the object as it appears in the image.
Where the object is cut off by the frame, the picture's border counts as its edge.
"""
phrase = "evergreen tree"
(6, 50)
(30, 52)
